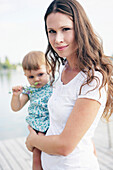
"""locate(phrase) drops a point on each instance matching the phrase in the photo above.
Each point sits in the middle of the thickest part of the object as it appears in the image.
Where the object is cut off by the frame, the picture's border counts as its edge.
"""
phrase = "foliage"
(7, 65)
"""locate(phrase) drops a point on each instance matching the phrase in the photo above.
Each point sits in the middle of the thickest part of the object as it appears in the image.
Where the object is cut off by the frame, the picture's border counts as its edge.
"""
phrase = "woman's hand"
(30, 139)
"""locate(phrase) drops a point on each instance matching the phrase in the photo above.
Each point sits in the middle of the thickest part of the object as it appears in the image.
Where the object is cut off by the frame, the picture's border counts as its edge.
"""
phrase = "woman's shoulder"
(97, 74)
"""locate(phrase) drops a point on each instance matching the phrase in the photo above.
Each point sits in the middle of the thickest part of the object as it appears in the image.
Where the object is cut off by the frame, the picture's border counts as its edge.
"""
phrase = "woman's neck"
(72, 65)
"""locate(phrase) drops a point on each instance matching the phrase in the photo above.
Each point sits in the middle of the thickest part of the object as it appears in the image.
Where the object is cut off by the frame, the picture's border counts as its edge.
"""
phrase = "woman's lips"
(61, 48)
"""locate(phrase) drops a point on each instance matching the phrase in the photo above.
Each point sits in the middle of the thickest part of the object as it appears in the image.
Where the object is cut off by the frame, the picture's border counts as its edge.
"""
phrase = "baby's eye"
(41, 74)
(31, 77)
(51, 32)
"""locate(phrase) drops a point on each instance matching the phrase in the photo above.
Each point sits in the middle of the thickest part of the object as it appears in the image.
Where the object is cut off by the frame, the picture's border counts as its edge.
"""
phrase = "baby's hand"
(17, 90)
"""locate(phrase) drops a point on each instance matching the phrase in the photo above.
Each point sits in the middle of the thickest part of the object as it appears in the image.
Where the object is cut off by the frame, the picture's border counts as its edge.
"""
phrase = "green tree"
(6, 64)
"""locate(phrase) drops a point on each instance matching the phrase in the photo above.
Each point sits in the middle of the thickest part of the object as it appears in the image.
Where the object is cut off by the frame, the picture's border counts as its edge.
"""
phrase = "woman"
(82, 93)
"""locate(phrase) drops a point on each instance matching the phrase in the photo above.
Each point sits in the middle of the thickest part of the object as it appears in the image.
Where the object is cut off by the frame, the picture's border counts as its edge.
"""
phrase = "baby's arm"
(18, 100)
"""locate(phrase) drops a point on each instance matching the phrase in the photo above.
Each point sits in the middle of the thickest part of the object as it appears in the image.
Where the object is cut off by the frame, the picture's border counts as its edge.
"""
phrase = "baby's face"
(38, 77)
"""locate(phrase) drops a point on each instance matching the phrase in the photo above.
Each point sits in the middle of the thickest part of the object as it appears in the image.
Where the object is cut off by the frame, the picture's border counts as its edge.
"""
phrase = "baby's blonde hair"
(33, 60)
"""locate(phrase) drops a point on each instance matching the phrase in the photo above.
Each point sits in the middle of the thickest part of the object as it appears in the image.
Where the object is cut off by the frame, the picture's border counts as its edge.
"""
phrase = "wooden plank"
(14, 155)
(18, 153)
(17, 149)
(21, 142)
(105, 161)
(110, 135)
(101, 135)
(3, 161)
(102, 142)
(11, 161)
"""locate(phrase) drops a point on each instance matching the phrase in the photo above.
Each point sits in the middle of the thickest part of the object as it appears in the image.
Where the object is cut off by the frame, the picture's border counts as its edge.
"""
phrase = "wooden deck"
(103, 140)
(14, 155)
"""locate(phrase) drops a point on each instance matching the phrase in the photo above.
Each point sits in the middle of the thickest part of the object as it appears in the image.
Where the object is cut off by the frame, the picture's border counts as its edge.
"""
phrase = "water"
(12, 124)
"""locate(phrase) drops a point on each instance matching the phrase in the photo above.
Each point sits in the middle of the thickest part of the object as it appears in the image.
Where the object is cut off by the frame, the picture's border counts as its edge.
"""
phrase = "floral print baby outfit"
(38, 117)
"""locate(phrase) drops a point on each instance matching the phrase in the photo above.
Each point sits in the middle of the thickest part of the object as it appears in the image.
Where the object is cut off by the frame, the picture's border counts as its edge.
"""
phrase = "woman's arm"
(17, 101)
(79, 121)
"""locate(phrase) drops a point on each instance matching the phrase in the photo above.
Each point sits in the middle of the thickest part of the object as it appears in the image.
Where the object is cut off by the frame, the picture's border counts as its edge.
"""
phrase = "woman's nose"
(59, 37)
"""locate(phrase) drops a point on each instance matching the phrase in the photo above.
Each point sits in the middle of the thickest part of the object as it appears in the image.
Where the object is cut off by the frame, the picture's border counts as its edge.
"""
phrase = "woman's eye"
(31, 77)
(52, 32)
(66, 29)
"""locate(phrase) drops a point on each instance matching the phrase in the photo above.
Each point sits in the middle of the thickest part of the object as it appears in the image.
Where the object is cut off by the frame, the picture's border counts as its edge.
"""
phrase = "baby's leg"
(94, 149)
(37, 157)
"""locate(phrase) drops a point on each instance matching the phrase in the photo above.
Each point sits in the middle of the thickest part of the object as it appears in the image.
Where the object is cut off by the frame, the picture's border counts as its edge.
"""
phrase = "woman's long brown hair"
(89, 52)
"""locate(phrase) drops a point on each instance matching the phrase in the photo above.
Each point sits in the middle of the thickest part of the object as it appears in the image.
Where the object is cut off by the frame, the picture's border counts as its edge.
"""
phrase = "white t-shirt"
(60, 106)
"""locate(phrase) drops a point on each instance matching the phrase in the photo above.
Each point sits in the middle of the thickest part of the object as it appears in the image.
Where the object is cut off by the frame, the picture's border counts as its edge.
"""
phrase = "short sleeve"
(91, 91)
(27, 91)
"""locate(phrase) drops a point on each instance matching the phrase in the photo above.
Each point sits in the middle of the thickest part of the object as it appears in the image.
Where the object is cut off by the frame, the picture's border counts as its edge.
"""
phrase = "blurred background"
(22, 30)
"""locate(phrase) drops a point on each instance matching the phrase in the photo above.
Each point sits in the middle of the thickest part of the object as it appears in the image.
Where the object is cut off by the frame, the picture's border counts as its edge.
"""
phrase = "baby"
(38, 93)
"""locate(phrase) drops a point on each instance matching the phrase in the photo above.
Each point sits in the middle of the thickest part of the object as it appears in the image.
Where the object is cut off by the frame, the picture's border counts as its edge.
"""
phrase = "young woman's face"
(40, 76)
(61, 34)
